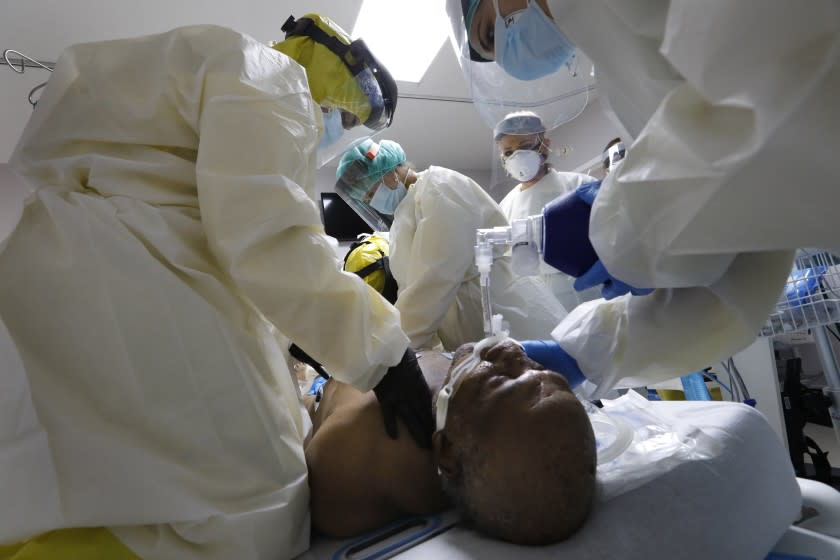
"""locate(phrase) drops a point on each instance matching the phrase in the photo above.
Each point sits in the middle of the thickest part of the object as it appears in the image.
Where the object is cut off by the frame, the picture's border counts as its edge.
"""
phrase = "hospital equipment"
(749, 478)
(810, 301)
(524, 234)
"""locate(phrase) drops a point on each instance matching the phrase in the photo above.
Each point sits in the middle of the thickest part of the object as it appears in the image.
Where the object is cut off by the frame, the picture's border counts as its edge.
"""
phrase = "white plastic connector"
(527, 231)
(499, 327)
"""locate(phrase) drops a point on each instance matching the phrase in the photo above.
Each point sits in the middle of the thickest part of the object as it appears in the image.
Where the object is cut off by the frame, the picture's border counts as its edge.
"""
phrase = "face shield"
(352, 87)
(360, 177)
(556, 98)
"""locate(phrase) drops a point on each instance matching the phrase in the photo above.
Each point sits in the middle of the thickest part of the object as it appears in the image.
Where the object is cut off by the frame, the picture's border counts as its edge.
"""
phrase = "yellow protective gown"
(733, 107)
(171, 237)
(518, 204)
(433, 261)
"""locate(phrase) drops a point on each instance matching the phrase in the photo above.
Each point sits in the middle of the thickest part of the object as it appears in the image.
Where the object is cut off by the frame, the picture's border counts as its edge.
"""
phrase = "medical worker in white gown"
(524, 148)
(436, 213)
(170, 238)
(732, 106)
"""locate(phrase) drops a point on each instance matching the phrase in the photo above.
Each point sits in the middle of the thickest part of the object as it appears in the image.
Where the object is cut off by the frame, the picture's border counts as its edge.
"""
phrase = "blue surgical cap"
(364, 165)
(520, 123)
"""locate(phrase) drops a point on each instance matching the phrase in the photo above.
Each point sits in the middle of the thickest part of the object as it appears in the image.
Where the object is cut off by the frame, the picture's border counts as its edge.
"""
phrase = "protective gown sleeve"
(731, 173)
(739, 156)
(442, 251)
(632, 341)
(257, 141)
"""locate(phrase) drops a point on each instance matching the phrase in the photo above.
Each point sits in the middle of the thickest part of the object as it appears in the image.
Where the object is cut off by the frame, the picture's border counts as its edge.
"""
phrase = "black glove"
(301, 356)
(404, 392)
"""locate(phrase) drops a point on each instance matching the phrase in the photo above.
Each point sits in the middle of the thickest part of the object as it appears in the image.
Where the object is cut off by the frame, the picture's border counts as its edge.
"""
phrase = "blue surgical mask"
(529, 45)
(385, 200)
(333, 130)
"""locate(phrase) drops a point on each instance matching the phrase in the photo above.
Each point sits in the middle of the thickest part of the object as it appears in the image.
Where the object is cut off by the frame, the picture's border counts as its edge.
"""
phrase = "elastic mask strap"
(307, 28)
(391, 289)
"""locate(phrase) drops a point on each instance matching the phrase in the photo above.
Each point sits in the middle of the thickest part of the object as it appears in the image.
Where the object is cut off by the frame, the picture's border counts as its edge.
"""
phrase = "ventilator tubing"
(484, 241)
(525, 231)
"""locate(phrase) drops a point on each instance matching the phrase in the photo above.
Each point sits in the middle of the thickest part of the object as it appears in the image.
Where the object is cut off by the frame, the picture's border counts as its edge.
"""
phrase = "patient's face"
(520, 445)
(503, 389)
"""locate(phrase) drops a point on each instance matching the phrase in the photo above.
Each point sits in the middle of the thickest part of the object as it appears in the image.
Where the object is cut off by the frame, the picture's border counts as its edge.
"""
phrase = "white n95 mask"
(523, 165)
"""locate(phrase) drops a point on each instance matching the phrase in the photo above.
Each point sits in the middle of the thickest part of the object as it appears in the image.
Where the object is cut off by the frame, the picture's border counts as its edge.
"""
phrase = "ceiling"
(435, 122)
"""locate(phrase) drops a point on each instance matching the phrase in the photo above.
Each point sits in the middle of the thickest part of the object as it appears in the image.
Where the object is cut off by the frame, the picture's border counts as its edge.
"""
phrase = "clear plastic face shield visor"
(556, 98)
(613, 155)
(358, 94)
(343, 128)
(344, 186)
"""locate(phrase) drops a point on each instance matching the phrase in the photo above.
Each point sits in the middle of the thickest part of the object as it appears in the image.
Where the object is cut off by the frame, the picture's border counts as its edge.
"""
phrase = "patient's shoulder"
(360, 479)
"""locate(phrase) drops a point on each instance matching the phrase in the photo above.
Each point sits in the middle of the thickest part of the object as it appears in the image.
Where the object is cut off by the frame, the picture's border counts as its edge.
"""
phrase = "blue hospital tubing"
(695, 388)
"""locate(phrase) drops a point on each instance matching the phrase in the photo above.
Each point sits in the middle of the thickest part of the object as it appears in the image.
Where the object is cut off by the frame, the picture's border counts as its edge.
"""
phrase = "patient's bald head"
(517, 453)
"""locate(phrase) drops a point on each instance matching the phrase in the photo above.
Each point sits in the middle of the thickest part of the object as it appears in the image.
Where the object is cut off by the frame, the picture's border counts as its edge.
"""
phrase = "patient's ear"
(444, 456)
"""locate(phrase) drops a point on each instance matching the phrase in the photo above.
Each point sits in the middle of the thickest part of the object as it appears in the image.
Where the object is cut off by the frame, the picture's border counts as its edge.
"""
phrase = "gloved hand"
(404, 393)
(567, 247)
(550, 355)
(612, 286)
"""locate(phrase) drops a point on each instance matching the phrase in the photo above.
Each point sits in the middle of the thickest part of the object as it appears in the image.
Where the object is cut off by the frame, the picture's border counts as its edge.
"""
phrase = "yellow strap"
(80, 544)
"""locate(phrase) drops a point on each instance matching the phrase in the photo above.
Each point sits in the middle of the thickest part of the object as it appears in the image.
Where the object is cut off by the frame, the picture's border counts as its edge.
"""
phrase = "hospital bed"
(743, 503)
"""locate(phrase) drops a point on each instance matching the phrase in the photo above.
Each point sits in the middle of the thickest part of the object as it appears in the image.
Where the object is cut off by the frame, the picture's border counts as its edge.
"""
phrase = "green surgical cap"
(364, 165)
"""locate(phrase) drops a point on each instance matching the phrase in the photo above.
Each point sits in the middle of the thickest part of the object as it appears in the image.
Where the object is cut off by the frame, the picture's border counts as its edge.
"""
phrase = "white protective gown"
(171, 229)
(518, 204)
(432, 258)
(733, 107)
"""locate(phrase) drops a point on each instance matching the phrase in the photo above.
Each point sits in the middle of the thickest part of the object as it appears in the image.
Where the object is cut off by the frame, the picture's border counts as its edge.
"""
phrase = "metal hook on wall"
(21, 63)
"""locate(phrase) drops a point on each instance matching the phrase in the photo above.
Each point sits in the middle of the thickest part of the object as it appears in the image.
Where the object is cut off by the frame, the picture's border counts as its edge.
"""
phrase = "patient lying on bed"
(516, 457)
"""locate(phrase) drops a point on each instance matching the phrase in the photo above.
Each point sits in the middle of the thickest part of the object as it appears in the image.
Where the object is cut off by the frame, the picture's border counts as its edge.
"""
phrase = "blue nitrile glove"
(612, 286)
(548, 354)
(566, 244)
